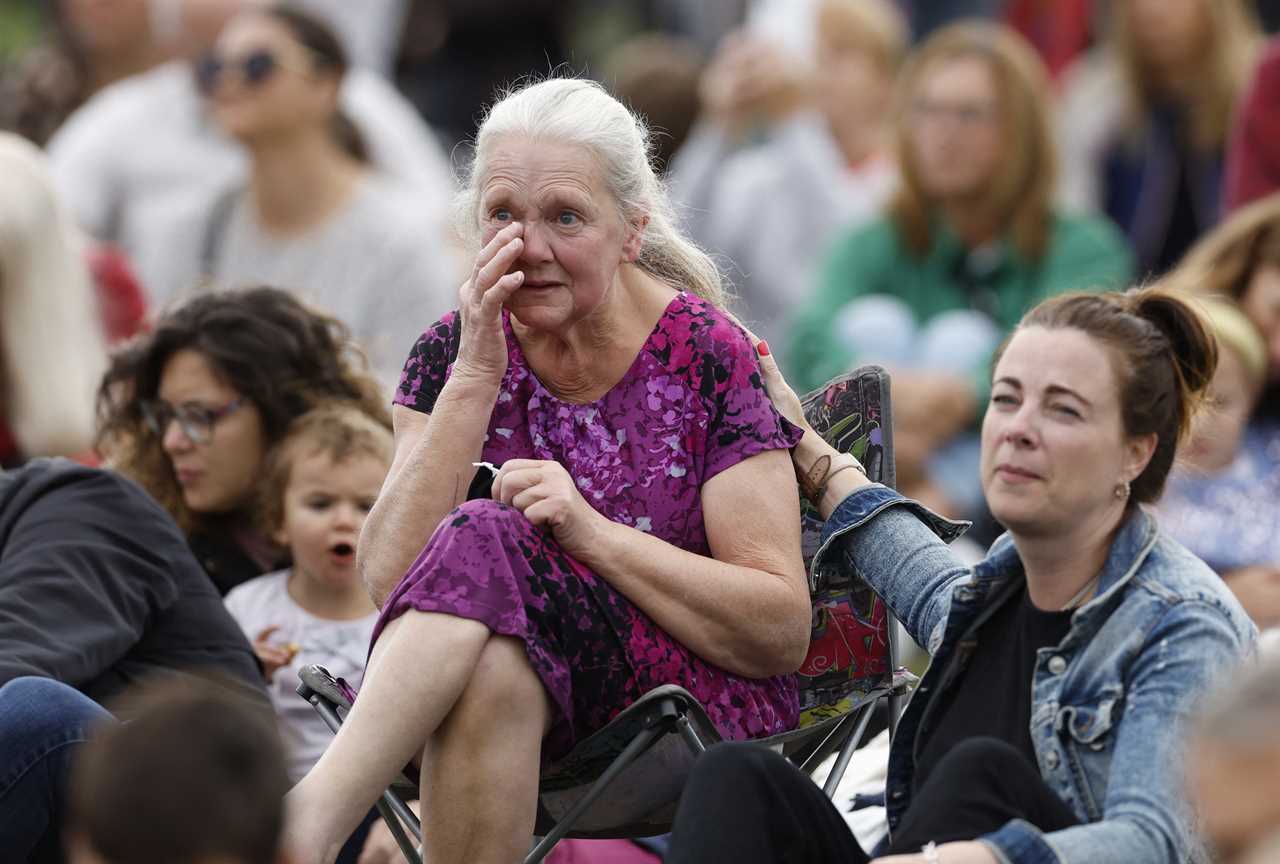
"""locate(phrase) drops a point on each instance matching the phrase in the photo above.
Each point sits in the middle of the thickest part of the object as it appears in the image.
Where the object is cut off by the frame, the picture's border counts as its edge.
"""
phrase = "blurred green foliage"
(21, 23)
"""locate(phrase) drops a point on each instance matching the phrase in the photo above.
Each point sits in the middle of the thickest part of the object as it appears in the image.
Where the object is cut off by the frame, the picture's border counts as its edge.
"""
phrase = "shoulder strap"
(215, 228)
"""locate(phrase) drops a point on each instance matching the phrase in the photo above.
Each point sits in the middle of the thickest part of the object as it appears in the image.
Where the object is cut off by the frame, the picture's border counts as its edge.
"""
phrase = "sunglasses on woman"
(254, 68)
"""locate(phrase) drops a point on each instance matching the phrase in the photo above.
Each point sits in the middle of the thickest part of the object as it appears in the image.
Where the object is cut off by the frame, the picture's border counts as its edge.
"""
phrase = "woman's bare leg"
(420, 666)
(480, 769)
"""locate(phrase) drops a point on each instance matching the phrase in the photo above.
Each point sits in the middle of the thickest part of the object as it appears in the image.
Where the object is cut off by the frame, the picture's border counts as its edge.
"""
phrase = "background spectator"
(90, 44)
(98, 591)
(1241, 260)
(51, 344)
(455, 54)
(656, 76)
(1233, 765)
(319, 485)
(1223, 501)
(192, 412)
(197, 776)
(969, 241)
(815, 160)
(1253, 160)
(141, 164)
(1145, 120)
(313, 217)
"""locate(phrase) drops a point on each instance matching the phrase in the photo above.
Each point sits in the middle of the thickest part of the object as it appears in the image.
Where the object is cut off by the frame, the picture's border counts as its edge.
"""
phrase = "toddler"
(320, 483)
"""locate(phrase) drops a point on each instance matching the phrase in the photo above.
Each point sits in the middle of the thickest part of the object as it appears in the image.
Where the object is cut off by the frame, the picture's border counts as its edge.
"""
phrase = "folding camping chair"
(625, 779)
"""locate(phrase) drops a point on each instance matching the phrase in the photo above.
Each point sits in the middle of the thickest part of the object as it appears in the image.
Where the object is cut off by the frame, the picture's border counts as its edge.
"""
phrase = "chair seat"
(642, 801)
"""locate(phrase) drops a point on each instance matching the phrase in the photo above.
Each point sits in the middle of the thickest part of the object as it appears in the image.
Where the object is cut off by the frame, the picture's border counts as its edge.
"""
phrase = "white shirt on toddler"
(339, 646)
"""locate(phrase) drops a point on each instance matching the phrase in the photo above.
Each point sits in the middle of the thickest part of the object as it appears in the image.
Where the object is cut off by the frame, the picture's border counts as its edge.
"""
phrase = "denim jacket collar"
(1134, 540)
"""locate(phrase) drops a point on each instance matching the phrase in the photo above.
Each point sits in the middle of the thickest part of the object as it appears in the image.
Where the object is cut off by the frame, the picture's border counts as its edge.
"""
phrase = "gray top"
(378, 265)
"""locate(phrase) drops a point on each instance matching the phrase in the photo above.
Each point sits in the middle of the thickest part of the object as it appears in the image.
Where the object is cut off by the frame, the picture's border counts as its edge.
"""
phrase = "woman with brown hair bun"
(1047, 728)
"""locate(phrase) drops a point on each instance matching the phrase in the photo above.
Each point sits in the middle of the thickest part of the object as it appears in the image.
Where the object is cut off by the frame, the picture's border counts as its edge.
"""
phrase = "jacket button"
(1057, 664)
(1051, 759)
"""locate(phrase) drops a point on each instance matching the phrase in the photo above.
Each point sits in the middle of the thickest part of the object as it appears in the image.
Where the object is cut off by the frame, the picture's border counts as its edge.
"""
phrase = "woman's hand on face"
(545, 493)
(969, 852)
(482, 350)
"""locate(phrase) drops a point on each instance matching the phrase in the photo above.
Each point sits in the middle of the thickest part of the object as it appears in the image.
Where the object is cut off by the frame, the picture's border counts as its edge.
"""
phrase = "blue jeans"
(42, 724)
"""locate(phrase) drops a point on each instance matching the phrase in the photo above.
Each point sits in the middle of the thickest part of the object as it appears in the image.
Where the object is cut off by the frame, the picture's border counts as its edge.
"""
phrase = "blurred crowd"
(220, 213)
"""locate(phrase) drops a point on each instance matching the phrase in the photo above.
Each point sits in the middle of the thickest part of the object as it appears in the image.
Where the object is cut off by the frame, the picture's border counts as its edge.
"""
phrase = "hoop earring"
(1122, 490)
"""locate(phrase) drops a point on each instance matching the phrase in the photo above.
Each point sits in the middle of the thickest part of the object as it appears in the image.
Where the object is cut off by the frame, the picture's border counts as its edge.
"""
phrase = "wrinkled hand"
(1258, 590)
(970, 852)
(545, 493)
(482, 349)
(272, 655)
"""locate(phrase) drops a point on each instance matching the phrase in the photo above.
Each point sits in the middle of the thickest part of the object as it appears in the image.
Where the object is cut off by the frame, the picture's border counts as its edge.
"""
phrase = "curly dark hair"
(282, 356)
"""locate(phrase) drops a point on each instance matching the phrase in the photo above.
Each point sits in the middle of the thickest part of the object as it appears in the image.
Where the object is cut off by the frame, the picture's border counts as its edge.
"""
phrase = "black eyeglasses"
(195, 421)
(255, 68)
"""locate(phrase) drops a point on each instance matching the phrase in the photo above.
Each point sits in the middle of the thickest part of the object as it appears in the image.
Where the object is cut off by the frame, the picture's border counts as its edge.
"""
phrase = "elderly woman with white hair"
(642, 529)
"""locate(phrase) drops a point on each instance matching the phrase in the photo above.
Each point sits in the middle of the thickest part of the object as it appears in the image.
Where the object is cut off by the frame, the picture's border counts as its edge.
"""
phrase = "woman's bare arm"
(429, 476)
(746, 609)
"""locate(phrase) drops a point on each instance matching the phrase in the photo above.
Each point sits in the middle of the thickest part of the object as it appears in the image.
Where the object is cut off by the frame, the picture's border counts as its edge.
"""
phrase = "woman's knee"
(982, 756)
(31, 704)
(736, 768)
(504, 683)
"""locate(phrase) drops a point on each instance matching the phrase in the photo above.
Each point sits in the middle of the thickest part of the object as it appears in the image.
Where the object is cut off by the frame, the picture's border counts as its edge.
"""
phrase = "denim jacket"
(1106, 701)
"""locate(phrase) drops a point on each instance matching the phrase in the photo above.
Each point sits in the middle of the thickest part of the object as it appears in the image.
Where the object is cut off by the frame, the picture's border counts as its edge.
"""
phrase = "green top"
(1083, 253)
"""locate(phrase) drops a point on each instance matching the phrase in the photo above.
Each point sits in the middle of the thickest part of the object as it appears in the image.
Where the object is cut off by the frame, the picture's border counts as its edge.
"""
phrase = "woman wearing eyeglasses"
(192, 411)
(313, 216)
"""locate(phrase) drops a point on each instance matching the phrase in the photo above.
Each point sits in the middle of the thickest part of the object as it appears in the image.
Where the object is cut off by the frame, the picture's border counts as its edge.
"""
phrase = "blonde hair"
(573, 111)
(1224, 260)
(1226, 64)
(1024, 191)
(335, 429)
(51, 342)
(1234, 331)
(876, 25)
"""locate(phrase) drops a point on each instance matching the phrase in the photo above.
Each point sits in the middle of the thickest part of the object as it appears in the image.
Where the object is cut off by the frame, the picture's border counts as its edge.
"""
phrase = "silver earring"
(1122, 490)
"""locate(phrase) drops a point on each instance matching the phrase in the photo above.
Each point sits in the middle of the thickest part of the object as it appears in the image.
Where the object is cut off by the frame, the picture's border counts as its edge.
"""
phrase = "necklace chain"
(1082, 593)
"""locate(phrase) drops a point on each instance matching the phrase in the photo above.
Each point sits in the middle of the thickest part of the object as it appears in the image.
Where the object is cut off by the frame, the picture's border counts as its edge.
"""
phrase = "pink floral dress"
(691, 405)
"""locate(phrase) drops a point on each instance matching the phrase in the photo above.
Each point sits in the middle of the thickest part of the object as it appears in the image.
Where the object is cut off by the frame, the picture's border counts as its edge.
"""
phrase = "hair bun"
(1191, 342)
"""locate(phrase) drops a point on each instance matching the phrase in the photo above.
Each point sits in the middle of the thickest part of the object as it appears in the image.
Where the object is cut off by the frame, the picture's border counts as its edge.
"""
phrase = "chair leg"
(388, 814)
(629, 754)
(846, 750)
(685, 728)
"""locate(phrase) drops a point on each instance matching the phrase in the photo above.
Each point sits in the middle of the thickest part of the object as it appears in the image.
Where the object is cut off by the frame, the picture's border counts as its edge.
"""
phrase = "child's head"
(1234, 390)
(197, 776)
(320, 482)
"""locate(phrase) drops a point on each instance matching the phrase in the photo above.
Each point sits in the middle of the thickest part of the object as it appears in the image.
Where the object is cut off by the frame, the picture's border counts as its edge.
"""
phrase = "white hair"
(574, 111)
(51, 345)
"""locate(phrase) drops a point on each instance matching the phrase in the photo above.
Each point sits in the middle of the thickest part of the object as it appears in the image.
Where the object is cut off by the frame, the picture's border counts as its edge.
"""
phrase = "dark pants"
(42, 725)
(747, 804)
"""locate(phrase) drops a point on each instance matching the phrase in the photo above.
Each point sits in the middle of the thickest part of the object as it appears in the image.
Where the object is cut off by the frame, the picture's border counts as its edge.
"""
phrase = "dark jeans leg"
(42, 724)
(979, 786)
(747, 804)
